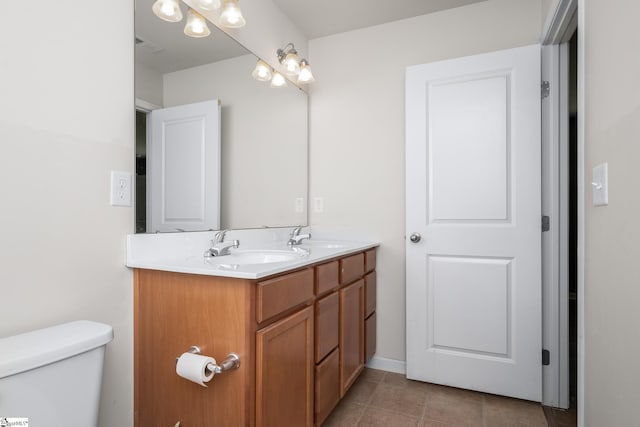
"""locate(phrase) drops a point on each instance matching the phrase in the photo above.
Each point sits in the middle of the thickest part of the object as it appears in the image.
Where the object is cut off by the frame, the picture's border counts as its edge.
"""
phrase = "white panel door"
(183, 168)
(473, 196)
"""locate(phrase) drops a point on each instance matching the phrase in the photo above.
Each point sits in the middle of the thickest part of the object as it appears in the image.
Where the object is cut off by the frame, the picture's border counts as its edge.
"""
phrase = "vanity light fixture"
(196, 25)
(294, 66)
(278, 80)
(231, 15)
(262, 71)
(288, 56)
(167, 10)
(305, 75)
(208, 4)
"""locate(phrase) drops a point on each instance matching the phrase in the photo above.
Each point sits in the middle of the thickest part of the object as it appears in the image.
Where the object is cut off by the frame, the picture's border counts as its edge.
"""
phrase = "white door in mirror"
(120, 188)
(183, 167)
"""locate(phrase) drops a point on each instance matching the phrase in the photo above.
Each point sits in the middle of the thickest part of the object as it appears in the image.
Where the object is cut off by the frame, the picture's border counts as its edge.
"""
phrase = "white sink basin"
(258, 256)
(325, 244)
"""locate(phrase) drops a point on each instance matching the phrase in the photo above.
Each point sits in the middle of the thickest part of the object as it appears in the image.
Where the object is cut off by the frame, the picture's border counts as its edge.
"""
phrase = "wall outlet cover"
(120, 188)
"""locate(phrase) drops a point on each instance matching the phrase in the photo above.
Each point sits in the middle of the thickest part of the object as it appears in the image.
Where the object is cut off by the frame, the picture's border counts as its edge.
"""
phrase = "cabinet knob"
(177, 424)
(415, 237)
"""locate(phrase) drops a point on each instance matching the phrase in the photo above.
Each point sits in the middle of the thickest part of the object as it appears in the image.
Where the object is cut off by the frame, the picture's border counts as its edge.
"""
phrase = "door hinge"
(545, 88)
(546, 223)
(546, 357)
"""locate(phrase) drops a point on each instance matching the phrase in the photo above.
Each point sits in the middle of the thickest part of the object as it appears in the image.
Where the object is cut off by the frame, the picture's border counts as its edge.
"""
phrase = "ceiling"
(322, 18)
(163, 47)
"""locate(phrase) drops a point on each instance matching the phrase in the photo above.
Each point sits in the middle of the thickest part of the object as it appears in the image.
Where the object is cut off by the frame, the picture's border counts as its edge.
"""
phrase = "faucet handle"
(219, 236)
(296, 231)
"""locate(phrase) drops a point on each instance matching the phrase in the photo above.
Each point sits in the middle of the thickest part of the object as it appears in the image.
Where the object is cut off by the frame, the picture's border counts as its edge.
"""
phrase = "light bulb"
(291, 64)
(262, 71)
(305, 75)
(196, 25)
(278, 80)
(167, 10)
(208, 4)
(231, 16)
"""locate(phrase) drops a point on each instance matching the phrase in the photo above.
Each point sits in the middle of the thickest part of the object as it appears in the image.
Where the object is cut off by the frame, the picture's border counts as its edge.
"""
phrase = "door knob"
(415, 237)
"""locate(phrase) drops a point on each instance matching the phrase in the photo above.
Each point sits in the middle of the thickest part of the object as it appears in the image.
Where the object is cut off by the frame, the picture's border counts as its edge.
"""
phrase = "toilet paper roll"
(194, 367)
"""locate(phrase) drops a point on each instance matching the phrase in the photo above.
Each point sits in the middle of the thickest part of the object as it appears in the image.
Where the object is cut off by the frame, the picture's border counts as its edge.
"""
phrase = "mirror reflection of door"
(183, 168)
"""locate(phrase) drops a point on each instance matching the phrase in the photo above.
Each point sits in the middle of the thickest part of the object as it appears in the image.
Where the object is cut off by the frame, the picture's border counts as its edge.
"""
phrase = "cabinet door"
(174, 311)
(284, 372)
(351, 334)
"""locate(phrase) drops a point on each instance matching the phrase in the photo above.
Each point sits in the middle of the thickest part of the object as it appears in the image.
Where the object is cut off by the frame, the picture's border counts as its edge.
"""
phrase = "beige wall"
(148, 84)
(66, 120)
(612, 277)
(357, 126)
(548, 8)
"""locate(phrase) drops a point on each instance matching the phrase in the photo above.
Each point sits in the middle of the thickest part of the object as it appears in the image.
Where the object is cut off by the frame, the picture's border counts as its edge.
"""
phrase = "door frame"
(145, 106)
(568, 16)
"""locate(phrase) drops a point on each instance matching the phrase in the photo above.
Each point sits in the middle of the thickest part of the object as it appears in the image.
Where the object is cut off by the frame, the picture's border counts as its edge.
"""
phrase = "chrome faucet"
(219, 247)
(296, 238)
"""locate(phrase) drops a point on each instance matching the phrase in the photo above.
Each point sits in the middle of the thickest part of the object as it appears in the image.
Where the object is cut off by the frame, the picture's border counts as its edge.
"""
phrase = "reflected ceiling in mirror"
(263, 130)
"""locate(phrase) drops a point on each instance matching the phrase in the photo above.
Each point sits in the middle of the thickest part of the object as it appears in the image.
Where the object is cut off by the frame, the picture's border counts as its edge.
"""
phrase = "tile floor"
(560, 417)
(380, 398)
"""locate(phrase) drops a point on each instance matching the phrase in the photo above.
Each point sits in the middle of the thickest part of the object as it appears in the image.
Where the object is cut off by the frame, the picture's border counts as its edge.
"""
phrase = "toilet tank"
(52, 376)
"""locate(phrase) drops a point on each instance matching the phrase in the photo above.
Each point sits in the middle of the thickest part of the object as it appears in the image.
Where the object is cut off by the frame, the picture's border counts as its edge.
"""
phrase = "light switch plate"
(120, 188)
(600, 184)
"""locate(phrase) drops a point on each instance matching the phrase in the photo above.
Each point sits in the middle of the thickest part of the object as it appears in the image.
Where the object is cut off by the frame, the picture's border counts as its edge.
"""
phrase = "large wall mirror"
(263, 142)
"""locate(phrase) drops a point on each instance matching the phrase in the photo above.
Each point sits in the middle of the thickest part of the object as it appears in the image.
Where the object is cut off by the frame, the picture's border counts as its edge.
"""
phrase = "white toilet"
(52, 376)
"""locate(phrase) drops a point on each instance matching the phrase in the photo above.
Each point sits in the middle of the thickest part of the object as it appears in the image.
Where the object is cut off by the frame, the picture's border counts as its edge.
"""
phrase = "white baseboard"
(389, 365)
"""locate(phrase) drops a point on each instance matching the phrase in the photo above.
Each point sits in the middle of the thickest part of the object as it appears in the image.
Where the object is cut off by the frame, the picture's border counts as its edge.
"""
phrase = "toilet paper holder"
(231, 362)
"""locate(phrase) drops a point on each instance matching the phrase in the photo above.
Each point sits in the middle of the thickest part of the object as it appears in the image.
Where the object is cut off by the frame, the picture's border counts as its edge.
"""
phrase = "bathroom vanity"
(303, 330)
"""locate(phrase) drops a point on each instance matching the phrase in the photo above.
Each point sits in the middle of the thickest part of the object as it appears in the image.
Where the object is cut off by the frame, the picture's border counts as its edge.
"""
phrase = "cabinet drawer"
(370, 293)
(282, 293)
(351, 268)
(369, 337)
(327, 386)
(370, 260)
(327, 277)
(327, 325)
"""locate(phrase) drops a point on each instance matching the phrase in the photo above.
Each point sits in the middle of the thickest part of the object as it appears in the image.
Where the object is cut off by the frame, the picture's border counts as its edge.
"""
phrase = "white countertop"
(184, 252)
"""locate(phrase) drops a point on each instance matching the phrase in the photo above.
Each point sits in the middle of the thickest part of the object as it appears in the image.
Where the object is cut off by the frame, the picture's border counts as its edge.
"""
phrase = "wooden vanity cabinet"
(302, 337)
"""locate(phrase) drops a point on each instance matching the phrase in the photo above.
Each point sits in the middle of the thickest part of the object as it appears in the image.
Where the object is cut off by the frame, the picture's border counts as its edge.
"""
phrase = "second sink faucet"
(296, 238)
(219, 247)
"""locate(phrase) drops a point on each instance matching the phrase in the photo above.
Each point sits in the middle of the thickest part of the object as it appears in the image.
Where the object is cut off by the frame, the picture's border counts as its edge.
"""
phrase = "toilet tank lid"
(41, 347)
